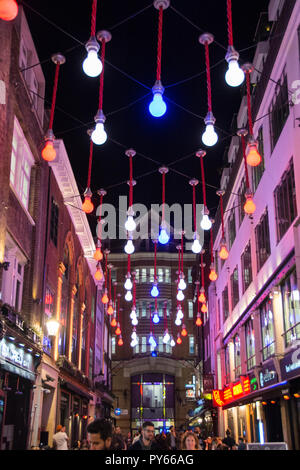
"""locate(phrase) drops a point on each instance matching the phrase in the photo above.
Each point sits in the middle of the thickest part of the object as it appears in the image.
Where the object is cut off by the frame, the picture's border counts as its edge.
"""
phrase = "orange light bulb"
(213, 275)
(113, 323)
(118, 331)
(252, 155)
(110, 310)
(98, 275)
(105, 298)
(179, 340)
(202, 298)
(98, 255)
(198, 321)
(48, 152)
(204, 308)
(184, 332)
(87, 206)
(249, 206)
(223, 253)
(120, 342)
(8, 10)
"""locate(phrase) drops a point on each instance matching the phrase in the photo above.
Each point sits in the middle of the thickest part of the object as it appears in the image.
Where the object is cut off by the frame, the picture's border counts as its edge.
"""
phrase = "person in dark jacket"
(229, 441)
(172, 440)
(146, 441)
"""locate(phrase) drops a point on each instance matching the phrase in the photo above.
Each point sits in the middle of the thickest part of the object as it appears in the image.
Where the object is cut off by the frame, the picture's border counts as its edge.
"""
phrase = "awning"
(17, 370)
(77, 390)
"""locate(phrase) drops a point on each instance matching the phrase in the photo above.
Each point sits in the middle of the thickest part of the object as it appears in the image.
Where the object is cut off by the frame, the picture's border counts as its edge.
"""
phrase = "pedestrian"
(190, 441)
(118, 442)
(136, 437)
(162, 442)
(128, 440)
(145, 441)
(198, 433)
(217, 444)
(100, 434)
(242, 444)
(208, 443)
(60, 439)
(76, 445)
(84, 445)
(229, 441)
(172, 439)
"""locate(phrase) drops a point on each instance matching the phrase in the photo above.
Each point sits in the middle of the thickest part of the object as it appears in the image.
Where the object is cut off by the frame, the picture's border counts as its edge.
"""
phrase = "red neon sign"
(232, 392)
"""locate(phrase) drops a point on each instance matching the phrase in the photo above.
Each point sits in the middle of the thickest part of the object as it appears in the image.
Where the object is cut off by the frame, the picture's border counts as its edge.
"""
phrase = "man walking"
(60, 439)
(145, 441)
(100, 434)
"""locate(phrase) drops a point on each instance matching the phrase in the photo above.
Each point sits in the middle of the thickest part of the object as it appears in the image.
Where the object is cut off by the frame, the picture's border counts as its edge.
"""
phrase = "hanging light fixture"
(110, 309)
(198, 319)
(92, 65)
(213, 276)
(182, 283)
(234, 75)
(210, 137)
(128, 283)
(205, 222)
(172, 342)
(223, 253)
(204, 308)
(87, 205)
(249, 206)
(157, 106)
(8, 10)
(151, 339)
(166, 337)
(201, 297)
(105, 298)
(164, 236)
(154, 291)
(196, 246)
(129, 247)
(49, 152)
(52, 326)
(183, 331)
(120, 342)
(180, 312)
(156, 318)
(113, 322)
(130, 224)
(98, 255)
(98, 273)
(118, 329)
(179, 340)
(178, 322)
(99, 135)
(252, 153)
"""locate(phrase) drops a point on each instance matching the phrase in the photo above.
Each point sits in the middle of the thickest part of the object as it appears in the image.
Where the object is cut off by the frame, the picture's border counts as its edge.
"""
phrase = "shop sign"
(16, 355)
(290, 364)
(268, 375)
(232, 392)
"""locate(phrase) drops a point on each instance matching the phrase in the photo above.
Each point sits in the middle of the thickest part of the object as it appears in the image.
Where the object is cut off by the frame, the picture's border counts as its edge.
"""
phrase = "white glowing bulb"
(133, 314)
(130, 224)
(128, 296)
(234, 75)
(133, 335)
(134, 322)
(180, 296)
(180, 314)
(92, 65)
(182, 284)
(134, 343)
(206, 222)
(196, 246)
(99, 135)
(210, 137)
(128, 284)
(129, 247)
(178, 321)
(166, 338)
(172, 343)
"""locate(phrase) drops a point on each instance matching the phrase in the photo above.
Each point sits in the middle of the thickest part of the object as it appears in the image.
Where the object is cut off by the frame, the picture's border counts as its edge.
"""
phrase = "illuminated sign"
(232, 392)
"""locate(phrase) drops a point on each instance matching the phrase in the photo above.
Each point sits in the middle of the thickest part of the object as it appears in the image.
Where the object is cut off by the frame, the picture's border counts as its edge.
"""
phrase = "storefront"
(17, 372)
(290, 371)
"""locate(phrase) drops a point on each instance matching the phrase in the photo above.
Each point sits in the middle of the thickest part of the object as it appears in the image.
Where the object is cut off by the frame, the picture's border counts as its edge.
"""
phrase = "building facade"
(255, 325)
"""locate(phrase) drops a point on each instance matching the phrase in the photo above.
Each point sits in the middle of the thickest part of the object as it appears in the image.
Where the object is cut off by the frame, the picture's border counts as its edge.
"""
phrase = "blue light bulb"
(163, 237)
(156, 318)
(157, 107)
(154, 291)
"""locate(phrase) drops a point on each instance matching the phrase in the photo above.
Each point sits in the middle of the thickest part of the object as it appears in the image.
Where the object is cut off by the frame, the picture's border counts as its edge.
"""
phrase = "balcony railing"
(268, 351)
(251, 362)
(292, 334)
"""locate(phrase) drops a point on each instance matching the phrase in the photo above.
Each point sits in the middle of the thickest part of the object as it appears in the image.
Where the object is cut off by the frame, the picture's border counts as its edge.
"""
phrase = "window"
(246, 268)
(21, 164)
(279, 110)
(285, 202)
(258, 171)
(160, 276)
(54, 221)
(237, 356)
(227, 364)
(291, 308)
(190, 279)
(113, 276)
(191, 309)
(262, 236)
(234, 282)
(64, 306)
(267, 329)
(113, 345)
(12, 284)
(160, 344)
(241, 198)
(49, 311)
(144, 344)
(231, 228)
(225, 303)
(191, 344)
(137, 276)
(144, 275)
(167, 276)
(250, 344)
(151, 275)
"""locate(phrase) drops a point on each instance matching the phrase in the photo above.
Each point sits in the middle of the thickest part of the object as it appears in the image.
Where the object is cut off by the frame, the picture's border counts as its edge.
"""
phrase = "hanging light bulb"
(152, 341)
(92, 65)
(198, 321)
(129, 247)
(87, 205)
(128, 282)
(98, 255)
(213, 275)
(110, 309)
(180, 313)
(134, 321)
(120, 342)
(134, 343)
(99, 135)
(105, 297)
(206, 222)
(178, 321)
(180, 296)
(118, 329)
(130, 224)
(249, 206)
(202, 297)
(252, 154)
(128, 296)
(8, 10)
(183, 331)
(98, 274)
(223, 253)
(210, 137)
(163, 236)
(166, 337)
(154, 291)
(113, 323)
(133, 313)
(196, 247)
(234, 75)
(204, 308)
(49, 152)
(156, 318)
(182, 283)
(172, 342)
(179, 340)
(157, 107)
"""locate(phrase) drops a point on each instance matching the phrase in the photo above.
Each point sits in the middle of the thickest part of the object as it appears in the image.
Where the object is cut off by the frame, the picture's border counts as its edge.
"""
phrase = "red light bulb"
(8, 10)
(113, 323)
(202, 298)
(223, 253)
(48, 152)
(98, 275)
(204, 308)
(87, 206)
(120, 342)
(98, 255)
(252, 155)
(110, 309)
(183, 331)
(118, 331)
(179, 340)
(198, 321)
(105, 298)
(213, 275)
(249, 206)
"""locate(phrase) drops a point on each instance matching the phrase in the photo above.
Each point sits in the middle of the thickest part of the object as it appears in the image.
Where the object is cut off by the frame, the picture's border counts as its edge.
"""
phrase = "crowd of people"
(102, 435)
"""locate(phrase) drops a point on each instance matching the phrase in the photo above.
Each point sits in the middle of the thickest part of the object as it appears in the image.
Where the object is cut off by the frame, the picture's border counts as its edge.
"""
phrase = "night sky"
(133, 50)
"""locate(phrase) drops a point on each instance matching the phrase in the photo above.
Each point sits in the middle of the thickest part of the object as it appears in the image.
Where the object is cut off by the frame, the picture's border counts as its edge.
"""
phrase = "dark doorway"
(273, 420)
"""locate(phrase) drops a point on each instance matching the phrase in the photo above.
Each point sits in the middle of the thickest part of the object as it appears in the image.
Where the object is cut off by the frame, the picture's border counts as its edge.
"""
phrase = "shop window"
(144, 344)
(225, 303)
(160, 276)
(151, 275)
(246, 267)
(190, 279)
(279, 109)
(21, 163)
(54, 221)
(250, 344)
(258, 171)
(167, 276)
(231, 228)
(144, 275)
(291, 308)
(234, 283)
(237, 356)
(12, 283)
(267, 329)
(262, 235)
(285, 202)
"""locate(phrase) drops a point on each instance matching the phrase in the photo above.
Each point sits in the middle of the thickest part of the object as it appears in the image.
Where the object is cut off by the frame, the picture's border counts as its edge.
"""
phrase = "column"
(257, 335)
(243, 350)
(82, 309)
(87, 344)
(70, 325)
(61, 271)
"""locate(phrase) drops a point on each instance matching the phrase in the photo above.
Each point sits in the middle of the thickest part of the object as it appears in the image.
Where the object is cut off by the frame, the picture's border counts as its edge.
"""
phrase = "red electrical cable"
(115, 295)
(130, 182)
(182, 252)
(163, 195)
(179, 259)
(249, 103)
(198, 293)
(155, 252)
(211, 246)
(102, 75)
(156, 304)
(54, 96)
(94, 15)
(208, 77)
(245, 161)
(222, 215)
(229, 17)
(202, 271)
(109, 283)
(128, 263)
(194, 208)
(159, 43)
(203, 181)
(118, 312)
(165, 317)
(134, 290)
(90, 165)
(106, 271)
(99, 219)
